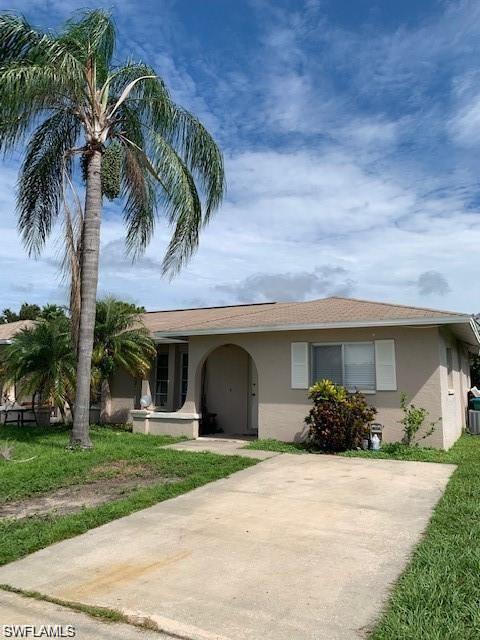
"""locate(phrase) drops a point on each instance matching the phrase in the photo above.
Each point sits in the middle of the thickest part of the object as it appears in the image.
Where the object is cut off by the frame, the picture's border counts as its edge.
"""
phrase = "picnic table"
(15, 414)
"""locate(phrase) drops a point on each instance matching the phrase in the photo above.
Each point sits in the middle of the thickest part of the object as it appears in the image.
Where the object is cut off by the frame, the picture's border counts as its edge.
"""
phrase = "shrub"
(338, 421)
(413, 422)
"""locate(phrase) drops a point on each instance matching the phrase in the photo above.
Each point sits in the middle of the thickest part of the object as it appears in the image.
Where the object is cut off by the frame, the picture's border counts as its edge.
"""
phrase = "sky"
(350, 131)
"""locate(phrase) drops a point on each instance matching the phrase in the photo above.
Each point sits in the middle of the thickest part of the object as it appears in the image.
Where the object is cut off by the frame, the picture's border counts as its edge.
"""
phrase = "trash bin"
(475, 404)
(474, 422)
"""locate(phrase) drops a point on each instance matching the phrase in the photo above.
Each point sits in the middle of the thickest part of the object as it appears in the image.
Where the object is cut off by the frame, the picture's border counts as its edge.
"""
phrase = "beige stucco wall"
(454, 397)
(420, 365)
(125, 392)
(282, 409)
(164, 423)
(226, 387)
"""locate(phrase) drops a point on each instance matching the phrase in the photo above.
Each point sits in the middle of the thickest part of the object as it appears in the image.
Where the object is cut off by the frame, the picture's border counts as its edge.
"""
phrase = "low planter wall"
(159, 423)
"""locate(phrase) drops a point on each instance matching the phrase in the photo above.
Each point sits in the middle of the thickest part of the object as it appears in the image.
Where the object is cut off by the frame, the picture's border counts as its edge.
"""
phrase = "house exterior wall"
(421, 371)
(454, 394)
(124, 396)
(282, 409)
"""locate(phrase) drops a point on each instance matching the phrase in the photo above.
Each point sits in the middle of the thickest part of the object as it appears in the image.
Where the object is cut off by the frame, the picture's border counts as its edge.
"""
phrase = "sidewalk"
(20, 610)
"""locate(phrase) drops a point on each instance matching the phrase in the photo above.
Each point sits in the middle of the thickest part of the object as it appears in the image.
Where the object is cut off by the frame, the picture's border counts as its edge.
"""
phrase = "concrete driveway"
(298, 547)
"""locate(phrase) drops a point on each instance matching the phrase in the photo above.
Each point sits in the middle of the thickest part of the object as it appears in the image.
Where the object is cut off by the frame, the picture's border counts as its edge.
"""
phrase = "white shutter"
(300, 365)
(385, 367)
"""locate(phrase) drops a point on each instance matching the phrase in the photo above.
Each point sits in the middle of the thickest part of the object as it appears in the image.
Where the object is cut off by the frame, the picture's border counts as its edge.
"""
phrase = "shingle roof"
(333, 310)
(7, 331)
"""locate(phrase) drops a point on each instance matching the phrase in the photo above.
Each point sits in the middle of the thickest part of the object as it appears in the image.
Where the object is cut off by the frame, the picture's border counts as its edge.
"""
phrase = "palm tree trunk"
(89, 280)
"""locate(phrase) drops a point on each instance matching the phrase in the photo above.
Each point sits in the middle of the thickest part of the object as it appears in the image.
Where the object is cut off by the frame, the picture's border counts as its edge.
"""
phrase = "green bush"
(338, 421)
(413, 423)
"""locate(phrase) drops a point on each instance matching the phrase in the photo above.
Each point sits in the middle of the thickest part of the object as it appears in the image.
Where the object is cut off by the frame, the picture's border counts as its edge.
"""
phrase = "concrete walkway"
(223, 446)
(298, 547)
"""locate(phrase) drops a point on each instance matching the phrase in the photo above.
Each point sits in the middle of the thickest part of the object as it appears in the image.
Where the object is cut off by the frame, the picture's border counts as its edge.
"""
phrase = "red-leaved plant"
(338, 420)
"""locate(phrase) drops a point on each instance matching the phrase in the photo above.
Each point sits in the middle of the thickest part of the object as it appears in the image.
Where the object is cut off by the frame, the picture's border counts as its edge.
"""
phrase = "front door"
(252, 416)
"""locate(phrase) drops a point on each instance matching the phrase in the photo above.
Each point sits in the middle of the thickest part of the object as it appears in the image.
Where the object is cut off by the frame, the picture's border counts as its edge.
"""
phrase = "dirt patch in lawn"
(106, 482)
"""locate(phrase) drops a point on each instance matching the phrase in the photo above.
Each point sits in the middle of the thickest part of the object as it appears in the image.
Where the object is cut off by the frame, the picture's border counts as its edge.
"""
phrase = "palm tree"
(120, 342)
(40, 361)
(62, 94)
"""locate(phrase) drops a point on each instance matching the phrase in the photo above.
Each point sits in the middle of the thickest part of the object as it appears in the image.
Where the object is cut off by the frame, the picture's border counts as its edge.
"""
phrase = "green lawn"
(438, 596)
(54, 466)
(270, 444)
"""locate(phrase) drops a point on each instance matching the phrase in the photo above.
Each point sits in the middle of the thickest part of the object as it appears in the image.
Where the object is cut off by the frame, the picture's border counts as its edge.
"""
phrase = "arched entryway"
(229, 393)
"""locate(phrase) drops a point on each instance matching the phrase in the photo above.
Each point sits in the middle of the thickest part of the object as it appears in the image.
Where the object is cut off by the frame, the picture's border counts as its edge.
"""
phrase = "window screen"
(350, 364)
(359, 366)
(327, 363)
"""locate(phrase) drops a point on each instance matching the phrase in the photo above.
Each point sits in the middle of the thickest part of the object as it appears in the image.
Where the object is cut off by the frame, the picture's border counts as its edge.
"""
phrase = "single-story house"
(246, 369)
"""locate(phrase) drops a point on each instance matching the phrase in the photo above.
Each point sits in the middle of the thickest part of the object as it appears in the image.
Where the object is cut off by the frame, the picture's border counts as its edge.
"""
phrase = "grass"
(270, 444)
(54, 466)
(110, 615)
(436, 598)
(438, 595)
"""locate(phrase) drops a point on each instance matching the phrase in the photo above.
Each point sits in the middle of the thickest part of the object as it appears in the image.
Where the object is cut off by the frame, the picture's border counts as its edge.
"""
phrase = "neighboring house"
(7, 332)
(246, 369)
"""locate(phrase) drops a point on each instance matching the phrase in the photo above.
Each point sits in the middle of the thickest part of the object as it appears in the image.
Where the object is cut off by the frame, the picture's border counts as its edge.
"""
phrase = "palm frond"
(17, 36)
(139, 189)
(149, 98)
(91, 34)
(202, 157)
(41, 178)
(29, 92)
(121, 340)
(23, 43)
(181, 203)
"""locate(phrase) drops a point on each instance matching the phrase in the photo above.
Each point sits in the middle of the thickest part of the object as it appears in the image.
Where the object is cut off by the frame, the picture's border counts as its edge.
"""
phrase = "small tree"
(27, 312)
(413, 422)
(40, 360)
(120, 342)
(338, 420)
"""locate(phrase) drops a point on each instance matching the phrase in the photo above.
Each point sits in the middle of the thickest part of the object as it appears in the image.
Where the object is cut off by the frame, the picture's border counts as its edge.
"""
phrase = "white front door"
(252, 417)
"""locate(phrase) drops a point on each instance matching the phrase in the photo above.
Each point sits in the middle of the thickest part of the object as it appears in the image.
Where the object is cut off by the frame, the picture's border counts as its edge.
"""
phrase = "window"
(183, 377)
(161, 384)
(450, 368)
(351, 364)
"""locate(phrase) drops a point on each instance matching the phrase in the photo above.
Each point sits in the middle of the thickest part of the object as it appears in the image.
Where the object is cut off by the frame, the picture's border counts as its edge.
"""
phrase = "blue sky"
(351, 133)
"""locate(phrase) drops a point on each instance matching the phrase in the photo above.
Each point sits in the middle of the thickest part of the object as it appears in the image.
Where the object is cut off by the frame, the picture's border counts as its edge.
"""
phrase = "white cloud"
(315, 177)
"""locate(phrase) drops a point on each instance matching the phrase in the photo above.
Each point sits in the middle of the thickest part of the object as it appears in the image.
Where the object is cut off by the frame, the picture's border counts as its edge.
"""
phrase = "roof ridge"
(240, 315)
(395, 304)
(220, 306)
